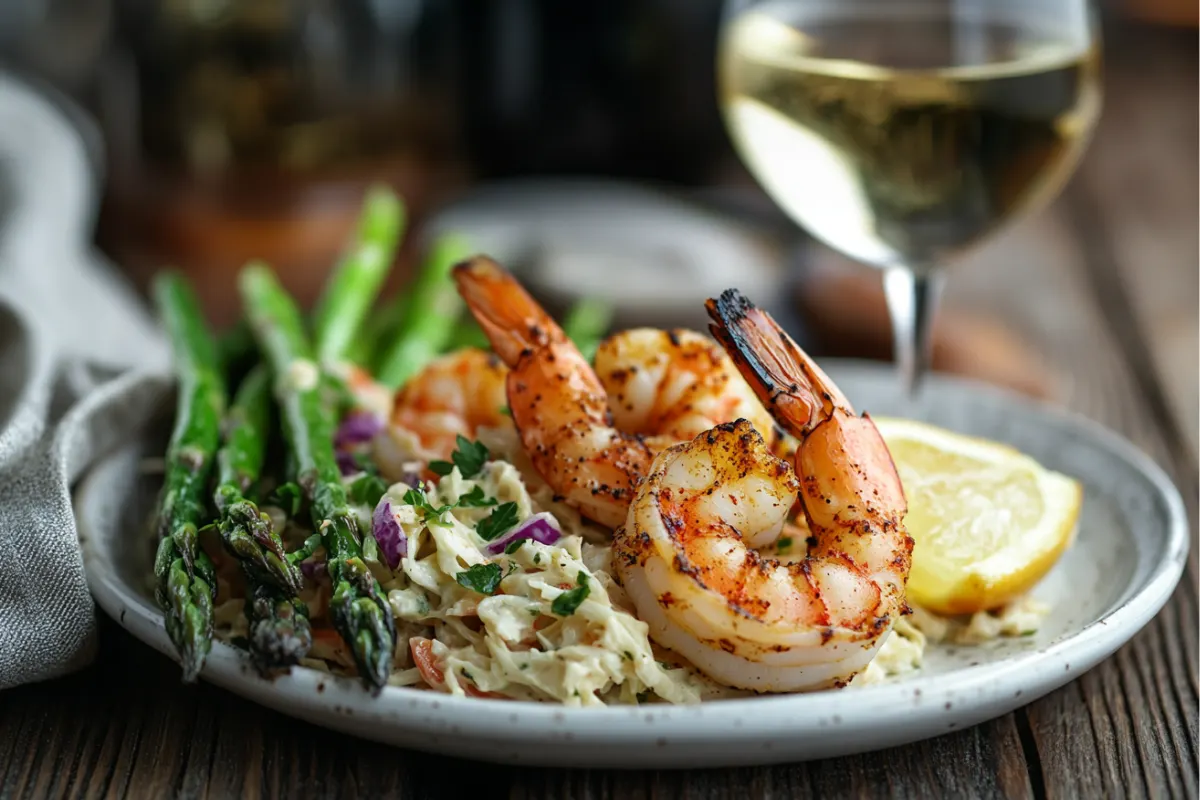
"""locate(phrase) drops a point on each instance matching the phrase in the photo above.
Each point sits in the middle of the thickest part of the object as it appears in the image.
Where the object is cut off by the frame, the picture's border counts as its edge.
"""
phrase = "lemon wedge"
(988, 521)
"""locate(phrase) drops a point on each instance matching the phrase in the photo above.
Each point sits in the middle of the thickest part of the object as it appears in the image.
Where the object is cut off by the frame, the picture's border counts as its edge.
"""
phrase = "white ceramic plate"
(1128, 556)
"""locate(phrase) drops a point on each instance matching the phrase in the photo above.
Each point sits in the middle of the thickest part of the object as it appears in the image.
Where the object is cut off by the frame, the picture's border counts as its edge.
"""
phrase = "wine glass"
(902, 132)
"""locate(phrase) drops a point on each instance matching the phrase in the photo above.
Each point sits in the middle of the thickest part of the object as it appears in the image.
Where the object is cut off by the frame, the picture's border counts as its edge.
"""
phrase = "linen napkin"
(82, 366)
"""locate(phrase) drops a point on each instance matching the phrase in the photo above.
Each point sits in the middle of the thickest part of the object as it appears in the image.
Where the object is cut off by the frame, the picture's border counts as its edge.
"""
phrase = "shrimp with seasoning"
(673, 384)
(561, 407)
(454, 395)
(685, 555)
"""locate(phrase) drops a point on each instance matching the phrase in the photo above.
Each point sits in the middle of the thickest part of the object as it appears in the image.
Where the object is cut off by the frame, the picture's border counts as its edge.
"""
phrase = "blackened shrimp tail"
(778, 370)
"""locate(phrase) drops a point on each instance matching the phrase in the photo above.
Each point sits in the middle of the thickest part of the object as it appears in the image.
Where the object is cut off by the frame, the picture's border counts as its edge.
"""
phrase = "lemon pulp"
(988, 521)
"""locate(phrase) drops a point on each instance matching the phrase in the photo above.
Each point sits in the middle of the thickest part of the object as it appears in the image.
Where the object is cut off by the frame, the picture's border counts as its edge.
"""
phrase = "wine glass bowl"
(903, 132)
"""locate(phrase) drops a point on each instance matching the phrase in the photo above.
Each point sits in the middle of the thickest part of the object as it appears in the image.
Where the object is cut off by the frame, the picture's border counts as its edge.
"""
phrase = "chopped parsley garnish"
(476, 499)
(469, 458)
(416, 498)
(514, 547)
(566, 603)
(506, 411)
(367, 490)
(482, 578)
(287, 496)
(784, 544)
(498, 522)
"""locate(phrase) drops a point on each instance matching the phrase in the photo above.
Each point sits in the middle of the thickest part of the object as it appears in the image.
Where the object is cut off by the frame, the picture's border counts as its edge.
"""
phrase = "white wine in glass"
(901, 132)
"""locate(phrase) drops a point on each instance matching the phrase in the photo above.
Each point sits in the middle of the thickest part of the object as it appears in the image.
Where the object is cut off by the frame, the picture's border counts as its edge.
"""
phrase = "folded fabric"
(82, 367)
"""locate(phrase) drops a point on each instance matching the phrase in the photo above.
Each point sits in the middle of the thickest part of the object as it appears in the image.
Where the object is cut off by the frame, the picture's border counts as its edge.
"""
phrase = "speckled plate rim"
(760, 730)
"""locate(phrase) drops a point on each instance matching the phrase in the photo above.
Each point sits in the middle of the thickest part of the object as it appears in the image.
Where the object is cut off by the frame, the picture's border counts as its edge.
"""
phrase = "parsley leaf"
(476, 499)
(514, 546)
(566, 603)
(784, 544)
(469, 458)
(416, 499)
(482, 578)
(367, 490)
(498, 522)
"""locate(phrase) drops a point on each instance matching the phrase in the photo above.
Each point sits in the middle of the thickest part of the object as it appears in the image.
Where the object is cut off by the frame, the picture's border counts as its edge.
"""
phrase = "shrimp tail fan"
(510, 318)
(785, 378)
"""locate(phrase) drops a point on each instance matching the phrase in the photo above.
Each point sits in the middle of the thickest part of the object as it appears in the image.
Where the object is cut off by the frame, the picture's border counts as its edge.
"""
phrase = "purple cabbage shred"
(356, 428)
(393, 544)
(541, 528)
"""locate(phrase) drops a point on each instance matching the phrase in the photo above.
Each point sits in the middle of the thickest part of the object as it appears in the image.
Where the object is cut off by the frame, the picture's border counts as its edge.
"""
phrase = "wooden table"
(1105, 285)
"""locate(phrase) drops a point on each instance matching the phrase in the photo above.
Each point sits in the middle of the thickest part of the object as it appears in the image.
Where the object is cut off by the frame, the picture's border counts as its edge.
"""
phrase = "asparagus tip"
(280, 634)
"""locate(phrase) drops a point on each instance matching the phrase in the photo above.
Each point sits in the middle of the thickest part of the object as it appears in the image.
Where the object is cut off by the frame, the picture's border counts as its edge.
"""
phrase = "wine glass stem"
(912, 298)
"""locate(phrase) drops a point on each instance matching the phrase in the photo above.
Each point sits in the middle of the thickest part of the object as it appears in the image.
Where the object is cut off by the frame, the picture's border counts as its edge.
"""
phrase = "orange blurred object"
(298, 226)
(241, 131)
(1184, 13)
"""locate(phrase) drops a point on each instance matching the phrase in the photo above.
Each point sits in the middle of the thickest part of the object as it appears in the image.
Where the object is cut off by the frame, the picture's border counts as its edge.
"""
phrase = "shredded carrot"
(431, 671)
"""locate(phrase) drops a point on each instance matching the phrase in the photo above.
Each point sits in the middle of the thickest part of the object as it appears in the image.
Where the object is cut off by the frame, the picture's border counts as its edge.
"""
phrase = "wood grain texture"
(1101, 284)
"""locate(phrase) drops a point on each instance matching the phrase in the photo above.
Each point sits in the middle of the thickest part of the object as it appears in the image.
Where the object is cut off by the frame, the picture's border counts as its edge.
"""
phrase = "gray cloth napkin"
(82, 366)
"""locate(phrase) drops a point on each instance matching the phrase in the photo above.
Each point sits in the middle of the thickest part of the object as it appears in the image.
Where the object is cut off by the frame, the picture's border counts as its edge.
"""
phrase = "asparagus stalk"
(586, 323)
(246, 531)
(359, 612)
(428, 315)
(280, 634)
(186, 583)
(352, 287)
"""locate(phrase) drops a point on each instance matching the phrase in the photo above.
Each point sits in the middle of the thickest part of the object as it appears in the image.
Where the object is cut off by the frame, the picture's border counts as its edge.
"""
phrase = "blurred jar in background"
(241, 129)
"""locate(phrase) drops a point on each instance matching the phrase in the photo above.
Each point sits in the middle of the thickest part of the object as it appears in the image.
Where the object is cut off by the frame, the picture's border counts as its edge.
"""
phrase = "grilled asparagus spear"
(428, 314)
(185, 579)
(245, 530)
(355, 282)
(358, 610)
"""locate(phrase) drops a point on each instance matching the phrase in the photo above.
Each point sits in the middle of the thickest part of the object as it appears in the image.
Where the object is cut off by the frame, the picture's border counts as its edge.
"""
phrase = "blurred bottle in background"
(250, 128)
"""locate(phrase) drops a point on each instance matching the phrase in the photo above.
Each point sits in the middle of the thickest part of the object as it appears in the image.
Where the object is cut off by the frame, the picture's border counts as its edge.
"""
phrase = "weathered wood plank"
(1140, 183)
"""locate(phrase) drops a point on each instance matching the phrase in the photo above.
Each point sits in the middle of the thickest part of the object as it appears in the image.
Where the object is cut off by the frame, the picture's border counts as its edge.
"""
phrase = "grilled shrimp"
(557, 403)
(685, 555)
(577, 439)
(454, 395)
(674, 384)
